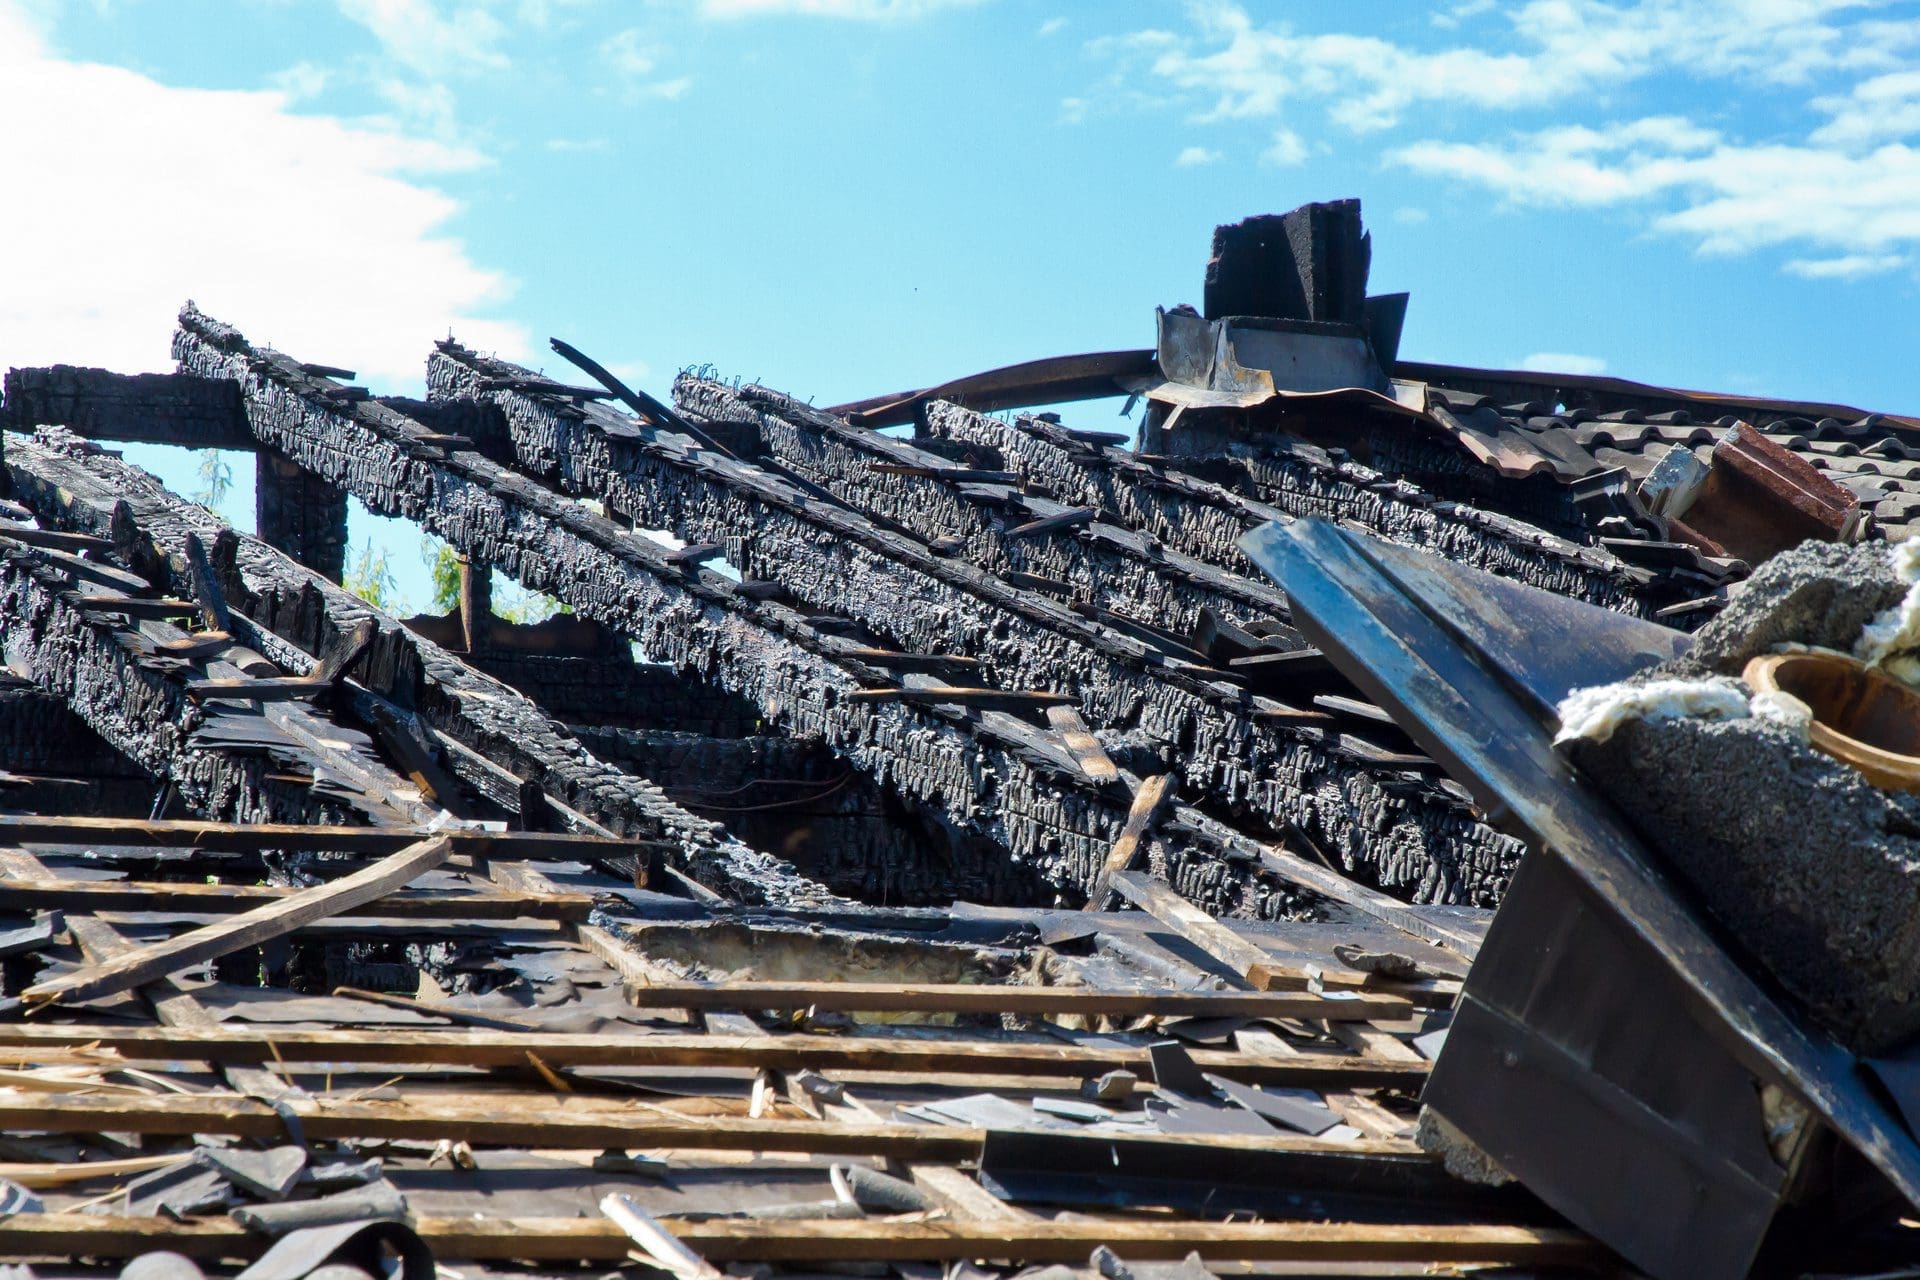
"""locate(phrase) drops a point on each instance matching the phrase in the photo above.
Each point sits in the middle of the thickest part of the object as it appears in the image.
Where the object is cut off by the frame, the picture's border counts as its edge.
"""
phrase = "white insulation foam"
(1595, 712)
(1896, 631)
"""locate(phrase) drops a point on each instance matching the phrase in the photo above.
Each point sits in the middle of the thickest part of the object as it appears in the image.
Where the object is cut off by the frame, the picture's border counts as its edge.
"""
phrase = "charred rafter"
(413, 681)
(995, 774)
(894, 582)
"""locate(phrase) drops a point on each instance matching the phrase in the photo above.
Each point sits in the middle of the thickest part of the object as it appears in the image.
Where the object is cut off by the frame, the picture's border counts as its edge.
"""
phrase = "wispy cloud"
(1286, 149)
(1845, 182)
(858, 10)
(1852, 266)
(635, 55)
(1563, 362)
(1726, 197)
(431, 39)
(95, 282)
(1195, 157)
(1052, 27)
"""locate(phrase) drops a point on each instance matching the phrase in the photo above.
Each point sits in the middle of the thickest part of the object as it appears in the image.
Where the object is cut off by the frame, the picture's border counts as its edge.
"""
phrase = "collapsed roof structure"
(769, 906)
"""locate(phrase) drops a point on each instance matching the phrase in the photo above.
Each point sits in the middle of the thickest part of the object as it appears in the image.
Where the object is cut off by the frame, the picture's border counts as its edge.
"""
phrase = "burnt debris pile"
(1367, 813)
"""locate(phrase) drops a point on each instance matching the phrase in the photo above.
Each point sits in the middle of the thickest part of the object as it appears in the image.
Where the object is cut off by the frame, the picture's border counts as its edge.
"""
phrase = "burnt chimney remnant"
(1310, 264)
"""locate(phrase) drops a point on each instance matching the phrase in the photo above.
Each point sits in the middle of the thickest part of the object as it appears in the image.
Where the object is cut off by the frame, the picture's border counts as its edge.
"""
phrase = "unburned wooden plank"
(480, 1121)
(190, 833)
(173, 1005)
(1149, 802)
(892, 997)
(1080, 742)
(481, 1239)
(1160, 901)
(229, 1042)
(250, 928)
(195, 898)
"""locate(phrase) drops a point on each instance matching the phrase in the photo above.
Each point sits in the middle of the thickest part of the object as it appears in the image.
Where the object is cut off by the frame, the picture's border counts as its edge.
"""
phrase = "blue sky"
(845, 197)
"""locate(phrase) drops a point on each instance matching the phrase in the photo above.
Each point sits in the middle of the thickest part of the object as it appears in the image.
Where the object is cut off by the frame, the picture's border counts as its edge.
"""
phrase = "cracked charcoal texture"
(614, 690)
(1118, 568)
(301, 515)
(992, 777)
(1204, 512)
(164, 408)
(140, 712)
(415, 673)
(1418, 842)
(796, 798)
(39, 734)
(1813, 870)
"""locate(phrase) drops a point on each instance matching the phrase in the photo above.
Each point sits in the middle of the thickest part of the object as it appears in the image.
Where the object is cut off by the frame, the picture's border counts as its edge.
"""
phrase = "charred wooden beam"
(999, 526)
(507, 740)
(829, 818)
(149, 408)
(883, 572)
(301, 515)
(1204, 517)
(222, 761)
(987, 772)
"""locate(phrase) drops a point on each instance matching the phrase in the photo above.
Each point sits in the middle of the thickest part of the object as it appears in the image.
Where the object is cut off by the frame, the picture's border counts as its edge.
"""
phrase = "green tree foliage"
(443, 569)
(517, 604)
(370, 576)
(216, 478)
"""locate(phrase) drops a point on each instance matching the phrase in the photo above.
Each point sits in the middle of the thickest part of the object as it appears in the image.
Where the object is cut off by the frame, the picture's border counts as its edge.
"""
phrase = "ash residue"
(1812, 868)
(1463, 1157)
(1817, 594)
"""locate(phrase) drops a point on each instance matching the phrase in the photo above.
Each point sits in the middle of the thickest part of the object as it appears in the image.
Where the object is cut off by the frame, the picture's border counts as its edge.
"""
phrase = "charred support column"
(476, 602)
(299, 513)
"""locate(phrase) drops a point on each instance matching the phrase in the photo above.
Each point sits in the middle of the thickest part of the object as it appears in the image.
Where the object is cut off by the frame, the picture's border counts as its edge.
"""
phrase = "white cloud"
(1563, 362)
(431, 42)
(635, 56)
(321, 239)
(1853, 266)
(1726, 198)
(1286, 149)
(1052, 27)
(1195, 157)
(1409, 215)
(860, 10)
(1883, 109)
(300, 81)
(568, 146)
(1544, 54)
(1460, 12)
(630, 52)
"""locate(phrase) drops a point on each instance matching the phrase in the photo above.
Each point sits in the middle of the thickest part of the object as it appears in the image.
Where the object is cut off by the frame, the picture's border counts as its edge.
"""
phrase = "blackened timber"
(1076, 544)
(40, 735)
(72, 484)
(300, 514)
(146, 408)
(136, 701)
(995, 775)
(880, 573)
(1204, 518)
